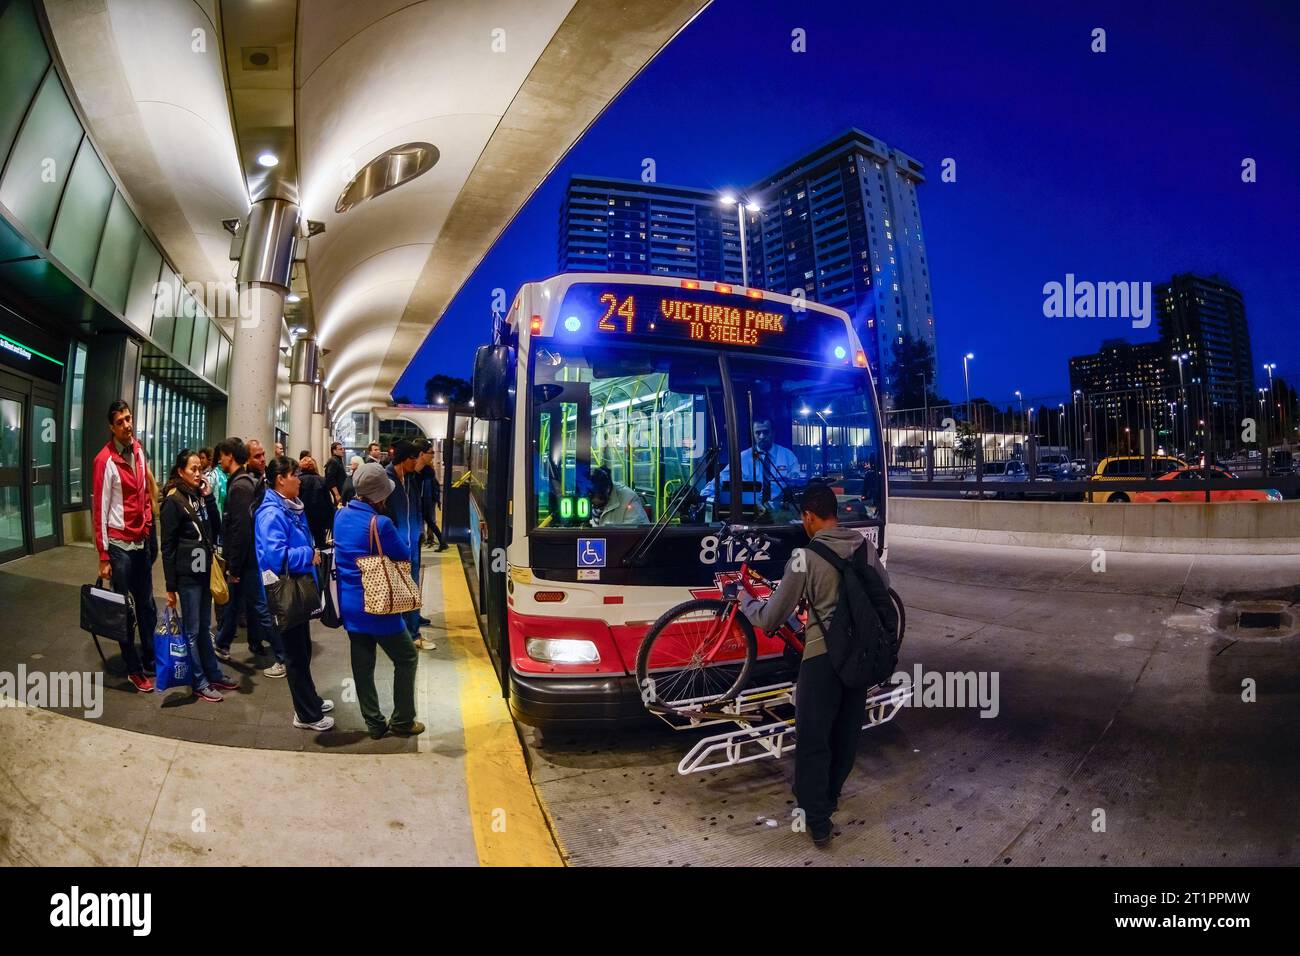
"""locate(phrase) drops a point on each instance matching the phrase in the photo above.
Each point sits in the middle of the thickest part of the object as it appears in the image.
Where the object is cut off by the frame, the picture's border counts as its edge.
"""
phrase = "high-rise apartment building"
(840, 225)
(623, 225)
(1204, 317)
(1123, 375)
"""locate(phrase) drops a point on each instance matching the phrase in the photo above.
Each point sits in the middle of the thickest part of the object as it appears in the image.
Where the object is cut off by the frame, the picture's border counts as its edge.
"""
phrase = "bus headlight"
(555, 650)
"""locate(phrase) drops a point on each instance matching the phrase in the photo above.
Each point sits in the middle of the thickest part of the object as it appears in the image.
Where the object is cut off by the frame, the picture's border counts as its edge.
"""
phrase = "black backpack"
(862, 639)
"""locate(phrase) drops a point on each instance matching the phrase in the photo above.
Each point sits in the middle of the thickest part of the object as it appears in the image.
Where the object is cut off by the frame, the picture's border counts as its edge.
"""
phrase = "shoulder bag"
(386, 584)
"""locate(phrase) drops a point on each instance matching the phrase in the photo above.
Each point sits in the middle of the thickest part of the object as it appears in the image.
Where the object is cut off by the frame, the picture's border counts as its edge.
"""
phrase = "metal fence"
(1244, 428)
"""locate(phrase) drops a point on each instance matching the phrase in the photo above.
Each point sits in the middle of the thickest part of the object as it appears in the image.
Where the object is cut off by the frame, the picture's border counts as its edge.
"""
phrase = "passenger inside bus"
(614, 504)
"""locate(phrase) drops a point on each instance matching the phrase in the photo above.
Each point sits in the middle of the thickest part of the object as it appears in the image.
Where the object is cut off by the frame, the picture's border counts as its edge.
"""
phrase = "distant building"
(841, 223)
(1205, 317)
(624, 225)
(1115, 376)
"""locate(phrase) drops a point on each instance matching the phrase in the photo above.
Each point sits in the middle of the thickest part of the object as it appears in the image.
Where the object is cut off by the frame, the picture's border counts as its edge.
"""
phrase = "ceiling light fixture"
(267, 160)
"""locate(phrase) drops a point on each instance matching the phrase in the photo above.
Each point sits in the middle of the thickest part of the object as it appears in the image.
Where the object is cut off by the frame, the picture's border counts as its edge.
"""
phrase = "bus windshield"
(629, 436)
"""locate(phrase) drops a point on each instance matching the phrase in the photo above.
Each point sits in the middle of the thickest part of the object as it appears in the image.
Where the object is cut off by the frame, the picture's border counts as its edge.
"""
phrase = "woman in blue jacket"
(352, 540)
(284, 545)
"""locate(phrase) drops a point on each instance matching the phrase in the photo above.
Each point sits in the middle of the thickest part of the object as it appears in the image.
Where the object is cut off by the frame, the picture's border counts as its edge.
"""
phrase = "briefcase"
(105, 613)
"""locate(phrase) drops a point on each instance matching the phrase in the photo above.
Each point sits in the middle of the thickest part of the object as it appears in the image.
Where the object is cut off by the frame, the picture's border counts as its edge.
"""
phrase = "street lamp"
(743, 205)
(1022, 406)
(965, 371)
(1181, 357)
(1268, 412)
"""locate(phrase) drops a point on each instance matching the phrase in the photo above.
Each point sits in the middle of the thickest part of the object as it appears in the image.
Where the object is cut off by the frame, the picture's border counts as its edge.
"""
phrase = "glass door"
(44, 431)
(12, 506)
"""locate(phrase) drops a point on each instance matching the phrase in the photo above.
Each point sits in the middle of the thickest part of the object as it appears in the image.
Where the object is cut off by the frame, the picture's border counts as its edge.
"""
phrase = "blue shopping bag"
(171, 651)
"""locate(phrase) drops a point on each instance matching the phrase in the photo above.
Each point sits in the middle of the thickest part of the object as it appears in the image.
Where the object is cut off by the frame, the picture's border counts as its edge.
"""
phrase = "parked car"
(996, 472)
(1129, 466)
(1181, 488)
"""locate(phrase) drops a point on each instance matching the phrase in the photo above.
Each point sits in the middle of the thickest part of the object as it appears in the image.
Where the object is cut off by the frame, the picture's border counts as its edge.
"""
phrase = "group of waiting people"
(267, 519)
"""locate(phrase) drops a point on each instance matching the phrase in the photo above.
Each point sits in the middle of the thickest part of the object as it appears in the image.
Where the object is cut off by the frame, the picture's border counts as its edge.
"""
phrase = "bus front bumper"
(559, 703)
(601, 702)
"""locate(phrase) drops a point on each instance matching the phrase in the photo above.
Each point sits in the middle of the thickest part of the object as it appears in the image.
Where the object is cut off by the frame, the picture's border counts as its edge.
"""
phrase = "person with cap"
(614, 504)
(353, 540)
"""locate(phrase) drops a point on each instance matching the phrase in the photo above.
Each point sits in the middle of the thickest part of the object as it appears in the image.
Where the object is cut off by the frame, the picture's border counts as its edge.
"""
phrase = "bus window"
(803, 423)
(653, 421)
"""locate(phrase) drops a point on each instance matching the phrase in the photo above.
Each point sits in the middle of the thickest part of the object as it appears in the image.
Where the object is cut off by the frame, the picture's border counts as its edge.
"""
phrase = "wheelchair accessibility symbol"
(591, 552)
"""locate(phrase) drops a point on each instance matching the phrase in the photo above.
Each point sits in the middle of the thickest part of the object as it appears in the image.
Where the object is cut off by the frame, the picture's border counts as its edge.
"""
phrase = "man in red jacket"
(122, 512)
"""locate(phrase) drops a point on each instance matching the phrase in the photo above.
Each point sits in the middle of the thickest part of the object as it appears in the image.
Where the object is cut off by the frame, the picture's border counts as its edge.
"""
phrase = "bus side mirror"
(494, 385)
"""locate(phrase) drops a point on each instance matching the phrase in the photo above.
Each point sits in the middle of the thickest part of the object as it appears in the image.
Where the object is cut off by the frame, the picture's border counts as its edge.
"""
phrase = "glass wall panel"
(144, 279)
(166, 305)
(199, 345)
(80, 222)
(222, 378)
(210, 360)
(76, 440)
(23, 61)
(117, 253)
(41, 159)
(184, 325)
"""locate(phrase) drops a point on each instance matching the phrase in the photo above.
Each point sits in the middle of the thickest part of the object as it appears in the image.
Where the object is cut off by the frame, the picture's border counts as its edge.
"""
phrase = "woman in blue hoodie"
(284, 545)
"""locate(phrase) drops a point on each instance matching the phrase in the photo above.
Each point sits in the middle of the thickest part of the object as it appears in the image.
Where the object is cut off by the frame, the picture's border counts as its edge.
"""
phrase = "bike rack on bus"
(765, 726)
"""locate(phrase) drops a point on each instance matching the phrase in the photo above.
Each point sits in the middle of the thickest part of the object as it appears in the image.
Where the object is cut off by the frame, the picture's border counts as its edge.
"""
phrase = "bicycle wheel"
(902, 614)
(697, 651)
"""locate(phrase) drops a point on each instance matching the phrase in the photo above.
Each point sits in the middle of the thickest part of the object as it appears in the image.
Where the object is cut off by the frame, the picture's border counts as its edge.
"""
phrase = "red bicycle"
(700, 654)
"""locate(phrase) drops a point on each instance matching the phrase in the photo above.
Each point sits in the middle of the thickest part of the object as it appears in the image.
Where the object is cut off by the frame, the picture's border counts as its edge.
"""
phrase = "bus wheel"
(700, 650)
(1118, 498)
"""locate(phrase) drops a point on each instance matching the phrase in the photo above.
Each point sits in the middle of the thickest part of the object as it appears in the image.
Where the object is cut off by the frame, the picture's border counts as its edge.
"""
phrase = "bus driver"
(614, 504)
(771, 466)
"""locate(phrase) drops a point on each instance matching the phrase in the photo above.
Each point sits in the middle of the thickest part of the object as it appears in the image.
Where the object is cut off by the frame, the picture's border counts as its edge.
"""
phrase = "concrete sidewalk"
(82, 792)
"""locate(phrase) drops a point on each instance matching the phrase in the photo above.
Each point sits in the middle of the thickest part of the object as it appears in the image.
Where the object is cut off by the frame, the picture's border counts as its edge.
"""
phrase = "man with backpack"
(850, 645)
(244, 491)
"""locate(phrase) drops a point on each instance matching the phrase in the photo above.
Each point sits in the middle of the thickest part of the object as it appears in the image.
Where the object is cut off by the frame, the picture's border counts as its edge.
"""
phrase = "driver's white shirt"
(782, 467)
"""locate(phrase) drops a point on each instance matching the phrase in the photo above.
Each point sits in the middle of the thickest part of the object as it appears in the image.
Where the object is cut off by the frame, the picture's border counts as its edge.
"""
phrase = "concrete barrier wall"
(1245, 527)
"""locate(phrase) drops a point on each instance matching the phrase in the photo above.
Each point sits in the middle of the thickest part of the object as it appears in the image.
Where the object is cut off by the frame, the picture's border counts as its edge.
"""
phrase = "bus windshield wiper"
(673, 506)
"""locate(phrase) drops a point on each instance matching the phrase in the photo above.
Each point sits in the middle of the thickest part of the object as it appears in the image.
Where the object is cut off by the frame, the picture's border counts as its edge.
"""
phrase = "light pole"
(1077, 432)
(1060, 422)
(1022, 407)
(965, 371)
(743, 205)
(1180, 357)
(1268, 414)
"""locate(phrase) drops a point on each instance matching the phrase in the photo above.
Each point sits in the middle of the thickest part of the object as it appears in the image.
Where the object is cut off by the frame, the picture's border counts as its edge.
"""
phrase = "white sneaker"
(275, 670)
(325, 723)
(326, 706)
(424, 644)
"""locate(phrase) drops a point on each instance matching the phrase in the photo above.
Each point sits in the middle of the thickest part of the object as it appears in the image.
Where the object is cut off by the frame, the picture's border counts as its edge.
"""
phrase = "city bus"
(607, 417)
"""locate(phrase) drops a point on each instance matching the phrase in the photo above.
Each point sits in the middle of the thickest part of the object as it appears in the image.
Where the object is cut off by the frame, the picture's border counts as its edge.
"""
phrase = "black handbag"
(105, 613)
(293, 599)
(331, 613)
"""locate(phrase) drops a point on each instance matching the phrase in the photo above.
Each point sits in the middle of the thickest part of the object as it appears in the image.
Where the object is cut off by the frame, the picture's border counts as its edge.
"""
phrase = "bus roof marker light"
(754, 293)
(690, 284)
(536, 325)
(722, 287)
(573, 323)
(860, 359)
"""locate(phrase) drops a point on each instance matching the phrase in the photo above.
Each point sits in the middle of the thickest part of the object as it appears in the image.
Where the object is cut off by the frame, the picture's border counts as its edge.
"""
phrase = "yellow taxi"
(1129, 466)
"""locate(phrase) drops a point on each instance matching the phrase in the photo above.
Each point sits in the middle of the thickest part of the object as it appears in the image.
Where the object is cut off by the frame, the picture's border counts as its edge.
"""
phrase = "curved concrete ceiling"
(148, 75)
(502, 88)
